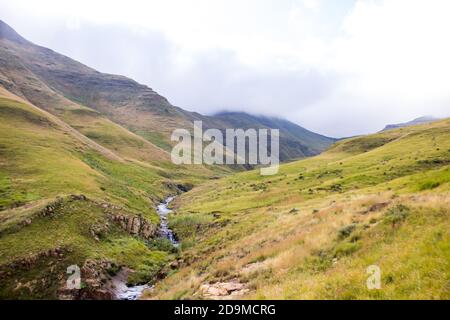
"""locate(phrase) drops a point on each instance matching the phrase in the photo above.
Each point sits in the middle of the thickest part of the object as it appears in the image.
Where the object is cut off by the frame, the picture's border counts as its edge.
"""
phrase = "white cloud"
(311, 4)
(397, 49)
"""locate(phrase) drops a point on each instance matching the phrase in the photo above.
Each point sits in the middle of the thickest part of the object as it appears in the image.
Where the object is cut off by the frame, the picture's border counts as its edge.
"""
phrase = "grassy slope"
(87, 121)
(41, 159)
(312, 230)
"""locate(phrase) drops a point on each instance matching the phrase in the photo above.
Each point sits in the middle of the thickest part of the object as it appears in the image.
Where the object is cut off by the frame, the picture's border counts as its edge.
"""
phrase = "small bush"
(355, 237)
(336, 187)
(389, 279)
(346, 248)
(429, 185)
(320, 261)
(397, 214)
(161, 244)
(346, 231)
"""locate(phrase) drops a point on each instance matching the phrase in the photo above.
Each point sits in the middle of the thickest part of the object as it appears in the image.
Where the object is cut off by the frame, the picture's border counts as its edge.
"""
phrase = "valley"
(87, 183)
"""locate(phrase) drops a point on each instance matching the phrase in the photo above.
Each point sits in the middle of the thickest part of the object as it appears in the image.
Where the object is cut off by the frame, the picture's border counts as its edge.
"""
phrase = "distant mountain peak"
(8, 33)
(420, 120)
(425, 119)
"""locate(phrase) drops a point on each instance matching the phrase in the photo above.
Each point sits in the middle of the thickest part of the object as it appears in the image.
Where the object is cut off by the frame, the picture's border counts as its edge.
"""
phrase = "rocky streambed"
(121, 290)
(163, 212)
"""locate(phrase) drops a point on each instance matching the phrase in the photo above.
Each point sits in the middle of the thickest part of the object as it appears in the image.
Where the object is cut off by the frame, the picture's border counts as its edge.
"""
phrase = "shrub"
(161, 244)
(320, 261)
(336, 187)
(346, 231)
(397, 214)
(429, 185)
(346, 248)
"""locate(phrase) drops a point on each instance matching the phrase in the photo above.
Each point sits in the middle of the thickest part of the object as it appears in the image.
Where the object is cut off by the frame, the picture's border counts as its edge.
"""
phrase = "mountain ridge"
(9, 33)
(295, 141)
(419, 120)
(47, 78)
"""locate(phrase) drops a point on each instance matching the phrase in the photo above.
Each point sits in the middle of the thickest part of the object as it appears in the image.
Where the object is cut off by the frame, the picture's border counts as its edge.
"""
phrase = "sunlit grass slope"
(313, 230)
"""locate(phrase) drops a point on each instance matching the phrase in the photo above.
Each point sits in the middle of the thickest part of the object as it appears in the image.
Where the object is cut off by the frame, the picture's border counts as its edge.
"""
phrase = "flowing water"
(163, 212)
(121, 290)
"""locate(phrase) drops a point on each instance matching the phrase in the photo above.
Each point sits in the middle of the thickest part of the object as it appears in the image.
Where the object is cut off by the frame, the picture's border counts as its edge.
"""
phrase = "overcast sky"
(337, 67)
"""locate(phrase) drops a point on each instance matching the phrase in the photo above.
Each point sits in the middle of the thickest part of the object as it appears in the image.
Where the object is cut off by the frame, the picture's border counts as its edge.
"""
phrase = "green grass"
(156, 138)
(69, 228)
(381, 199)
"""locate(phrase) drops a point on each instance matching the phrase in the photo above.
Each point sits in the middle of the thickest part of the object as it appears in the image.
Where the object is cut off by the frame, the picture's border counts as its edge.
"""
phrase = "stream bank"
(120, 289)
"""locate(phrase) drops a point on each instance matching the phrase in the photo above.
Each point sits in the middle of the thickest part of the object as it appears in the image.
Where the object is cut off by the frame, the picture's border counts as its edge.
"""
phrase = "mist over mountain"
(295, 141)
(41, 75)
(324, 66)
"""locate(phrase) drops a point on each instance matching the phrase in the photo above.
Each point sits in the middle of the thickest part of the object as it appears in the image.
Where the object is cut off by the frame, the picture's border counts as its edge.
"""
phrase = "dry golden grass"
(273, 261)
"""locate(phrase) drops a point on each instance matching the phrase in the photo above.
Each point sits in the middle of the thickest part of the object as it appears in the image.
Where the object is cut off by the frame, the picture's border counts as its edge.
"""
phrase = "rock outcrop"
(223, 290)
(95, 275)
(136, 225)
(98, 230)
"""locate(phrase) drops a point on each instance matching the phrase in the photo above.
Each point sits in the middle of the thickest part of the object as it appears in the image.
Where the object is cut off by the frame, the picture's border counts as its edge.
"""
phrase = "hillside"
(295, 141)
(67, 200)
(312, 231)
(80, 94)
